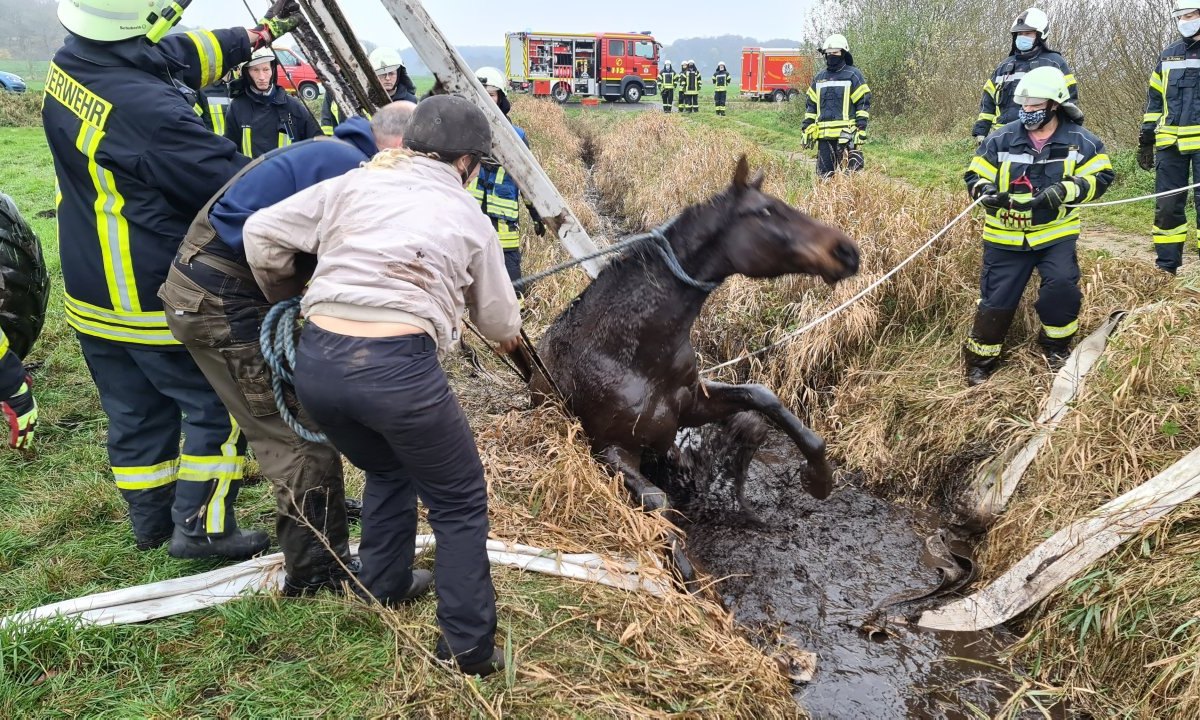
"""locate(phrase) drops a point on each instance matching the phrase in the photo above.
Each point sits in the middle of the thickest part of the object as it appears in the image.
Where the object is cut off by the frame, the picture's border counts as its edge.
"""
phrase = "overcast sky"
(473, 22)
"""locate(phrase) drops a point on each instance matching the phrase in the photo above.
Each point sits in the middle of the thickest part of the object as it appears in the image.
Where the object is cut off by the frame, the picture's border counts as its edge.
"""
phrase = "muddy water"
(815, 570)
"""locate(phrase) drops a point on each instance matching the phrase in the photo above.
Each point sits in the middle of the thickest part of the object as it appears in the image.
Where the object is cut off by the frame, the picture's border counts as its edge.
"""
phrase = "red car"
(304, 81)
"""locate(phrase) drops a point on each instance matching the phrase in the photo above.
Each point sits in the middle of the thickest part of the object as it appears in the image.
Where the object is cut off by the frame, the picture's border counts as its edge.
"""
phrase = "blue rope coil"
(278, 341)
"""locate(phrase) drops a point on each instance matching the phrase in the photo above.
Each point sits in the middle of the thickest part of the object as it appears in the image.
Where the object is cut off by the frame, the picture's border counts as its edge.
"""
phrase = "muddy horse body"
(621, 353)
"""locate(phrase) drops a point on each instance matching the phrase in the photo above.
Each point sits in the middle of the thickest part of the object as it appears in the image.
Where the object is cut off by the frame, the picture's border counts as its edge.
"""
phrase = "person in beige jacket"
(401, 252)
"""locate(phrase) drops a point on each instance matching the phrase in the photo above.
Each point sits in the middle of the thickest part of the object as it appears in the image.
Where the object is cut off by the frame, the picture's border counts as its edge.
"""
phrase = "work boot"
(979, 367)
(353, 509)
(482, 668)
(333, 582)
(235, 544)
(151, 543)
(1055, 351)
(421, 581)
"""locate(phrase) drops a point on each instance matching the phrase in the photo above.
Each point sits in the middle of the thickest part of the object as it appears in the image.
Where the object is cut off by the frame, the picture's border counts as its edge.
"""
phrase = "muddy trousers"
(152, 396)
(668, 99)
(1002, 282)
(386, 404)
(719, 98)
(221, 332)
(1173, 170)
(832, 156)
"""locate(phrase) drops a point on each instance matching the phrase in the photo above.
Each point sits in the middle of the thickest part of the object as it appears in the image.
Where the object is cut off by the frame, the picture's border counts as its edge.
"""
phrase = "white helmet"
(1182, 7)
(490, 77)
(260, 56)
(1043, 83)
(835, 42)
(1032, 20)
(385, 60)
(113, 20)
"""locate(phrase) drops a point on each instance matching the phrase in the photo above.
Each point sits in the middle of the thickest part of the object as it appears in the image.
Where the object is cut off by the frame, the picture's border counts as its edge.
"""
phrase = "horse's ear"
(741, 175)
(756, 182)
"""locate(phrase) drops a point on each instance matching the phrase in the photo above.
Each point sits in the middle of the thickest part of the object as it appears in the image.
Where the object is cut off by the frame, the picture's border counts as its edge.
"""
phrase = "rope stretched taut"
(278, 341)
(1151, 196)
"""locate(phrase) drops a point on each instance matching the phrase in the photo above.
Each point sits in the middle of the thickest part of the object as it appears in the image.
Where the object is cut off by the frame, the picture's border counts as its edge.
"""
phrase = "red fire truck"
(774, 73)
(613, 66)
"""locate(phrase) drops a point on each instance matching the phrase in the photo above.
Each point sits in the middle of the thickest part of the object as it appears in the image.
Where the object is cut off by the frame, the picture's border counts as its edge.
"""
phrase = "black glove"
(539, 228)
(1051, 198)
(1145, 157)
(983, 188)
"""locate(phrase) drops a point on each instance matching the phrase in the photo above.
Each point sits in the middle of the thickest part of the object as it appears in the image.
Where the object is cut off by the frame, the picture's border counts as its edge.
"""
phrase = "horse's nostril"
(847, 254)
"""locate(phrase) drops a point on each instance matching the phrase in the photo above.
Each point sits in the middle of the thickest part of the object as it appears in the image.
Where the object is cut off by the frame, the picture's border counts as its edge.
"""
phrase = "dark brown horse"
(621, 353)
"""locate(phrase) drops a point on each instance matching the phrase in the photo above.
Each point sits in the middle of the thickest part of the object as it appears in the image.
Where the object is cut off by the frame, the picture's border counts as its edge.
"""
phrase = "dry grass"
(20, 109)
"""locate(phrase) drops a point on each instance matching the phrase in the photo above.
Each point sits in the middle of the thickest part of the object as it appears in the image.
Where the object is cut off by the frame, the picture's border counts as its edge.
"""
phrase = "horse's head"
(766, 237)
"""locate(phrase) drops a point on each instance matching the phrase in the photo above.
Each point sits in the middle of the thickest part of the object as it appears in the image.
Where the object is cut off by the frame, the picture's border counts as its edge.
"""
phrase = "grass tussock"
(20, 109)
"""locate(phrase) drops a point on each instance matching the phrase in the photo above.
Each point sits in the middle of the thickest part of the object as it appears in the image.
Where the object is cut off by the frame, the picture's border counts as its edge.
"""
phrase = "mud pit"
(815, 571)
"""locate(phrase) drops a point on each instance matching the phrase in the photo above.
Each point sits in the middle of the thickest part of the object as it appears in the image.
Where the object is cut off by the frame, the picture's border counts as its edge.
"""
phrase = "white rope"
(797, 333)
(1140, 198)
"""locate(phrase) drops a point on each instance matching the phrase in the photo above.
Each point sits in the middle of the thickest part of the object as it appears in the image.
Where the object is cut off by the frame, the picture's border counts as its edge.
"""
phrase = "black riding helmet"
(450, 126)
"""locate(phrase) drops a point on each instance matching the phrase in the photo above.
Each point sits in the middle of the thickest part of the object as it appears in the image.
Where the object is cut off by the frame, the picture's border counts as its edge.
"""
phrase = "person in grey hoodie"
(402, 252)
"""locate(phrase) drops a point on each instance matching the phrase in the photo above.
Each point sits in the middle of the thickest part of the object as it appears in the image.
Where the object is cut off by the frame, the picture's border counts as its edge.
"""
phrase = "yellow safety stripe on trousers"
(142, 328)
(147, 477)
(83, 103)
(983, 350)
(3, 343)
(212, 59)
(112, 229)
(215, 520)
(984, 169)
(1064, 331)
(996, 232)
(510, 237)
(1172, 235)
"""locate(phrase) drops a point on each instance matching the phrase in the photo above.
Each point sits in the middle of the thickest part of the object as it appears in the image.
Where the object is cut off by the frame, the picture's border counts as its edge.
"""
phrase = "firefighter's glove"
(269, 29)
(979, 140)
(1145, 157)
(539, 228)
(1051, 198)
(983, 189)
(860, 137)
(20, 412)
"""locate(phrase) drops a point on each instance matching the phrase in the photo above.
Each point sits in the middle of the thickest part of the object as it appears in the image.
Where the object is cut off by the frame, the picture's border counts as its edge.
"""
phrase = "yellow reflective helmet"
(113, 20)
(1043, 83)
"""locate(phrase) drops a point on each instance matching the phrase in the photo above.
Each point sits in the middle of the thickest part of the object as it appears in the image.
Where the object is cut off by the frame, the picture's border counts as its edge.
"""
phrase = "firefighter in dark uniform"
(667, 80)
(263, 116)
(691, 87)
(721, 81)
(134, 164)
(838, 109)
(389, 68)
(1170, 138)
(1029, 173)
(497, 191)
(222, 333)
(18, 408)
(1029, 50)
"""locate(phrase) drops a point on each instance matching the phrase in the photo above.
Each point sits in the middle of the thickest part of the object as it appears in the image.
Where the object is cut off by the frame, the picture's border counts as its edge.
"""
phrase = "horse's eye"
(765, 212)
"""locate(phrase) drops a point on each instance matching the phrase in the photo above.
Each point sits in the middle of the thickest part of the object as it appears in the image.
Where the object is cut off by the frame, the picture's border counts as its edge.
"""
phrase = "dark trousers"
(386, 404)
(218, 318)
(151, 396)
(1173, 170)
(512, 263)
(719, 99)
(691, 102)
(1002, 282)
(832, 155)
(668, 99)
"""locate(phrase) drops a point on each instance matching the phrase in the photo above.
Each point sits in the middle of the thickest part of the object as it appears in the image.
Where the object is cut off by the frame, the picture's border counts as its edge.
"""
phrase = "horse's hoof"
(818, 480)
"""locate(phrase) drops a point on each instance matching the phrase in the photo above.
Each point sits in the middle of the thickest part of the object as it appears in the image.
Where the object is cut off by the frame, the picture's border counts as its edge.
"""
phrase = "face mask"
(1189, 28)
(1024, 44)
(1036, 119)
(834, 62)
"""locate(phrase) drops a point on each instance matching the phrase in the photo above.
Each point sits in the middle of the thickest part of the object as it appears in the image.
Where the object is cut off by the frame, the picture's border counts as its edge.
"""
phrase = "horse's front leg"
(713, 402)
(651, 498)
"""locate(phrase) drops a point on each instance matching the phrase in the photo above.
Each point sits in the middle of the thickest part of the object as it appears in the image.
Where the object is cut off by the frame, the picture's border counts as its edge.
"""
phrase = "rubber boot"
(234, 544)
(482, 668)
(989, 329)
(1055, 351)
(334, 582)
(421, 582)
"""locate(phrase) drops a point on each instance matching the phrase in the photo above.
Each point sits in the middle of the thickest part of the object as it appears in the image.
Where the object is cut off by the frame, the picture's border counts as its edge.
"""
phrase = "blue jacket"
(288, 171)
(134, 164)
(505, 189)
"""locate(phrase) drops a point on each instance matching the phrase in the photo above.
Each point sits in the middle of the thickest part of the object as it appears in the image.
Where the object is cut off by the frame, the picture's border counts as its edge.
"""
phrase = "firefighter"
(134, 164)
(389, 68)
(680, 80)
(691, 87)
(1028, 173)
(263, 116)
(367, 367)
(1170, 138)
(216, 99)
(18, 408)
(1029, 50)
(221, 330)
(667, 78)
(497, 191)
(721, 81)
(838, 109)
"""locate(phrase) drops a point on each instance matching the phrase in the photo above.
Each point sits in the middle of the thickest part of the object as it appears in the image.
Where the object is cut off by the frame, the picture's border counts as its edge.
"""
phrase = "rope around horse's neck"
(862, 293)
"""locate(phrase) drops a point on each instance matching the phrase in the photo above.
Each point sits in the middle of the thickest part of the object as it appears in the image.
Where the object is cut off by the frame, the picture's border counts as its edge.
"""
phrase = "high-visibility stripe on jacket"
(1173, 100)
(722, 80)
(667, 78)
(1073, 156)
(216, 115)
(837, 101)
(998, 106)
(260, 123)
(134, 164)
(692, 82)
(498, 195)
